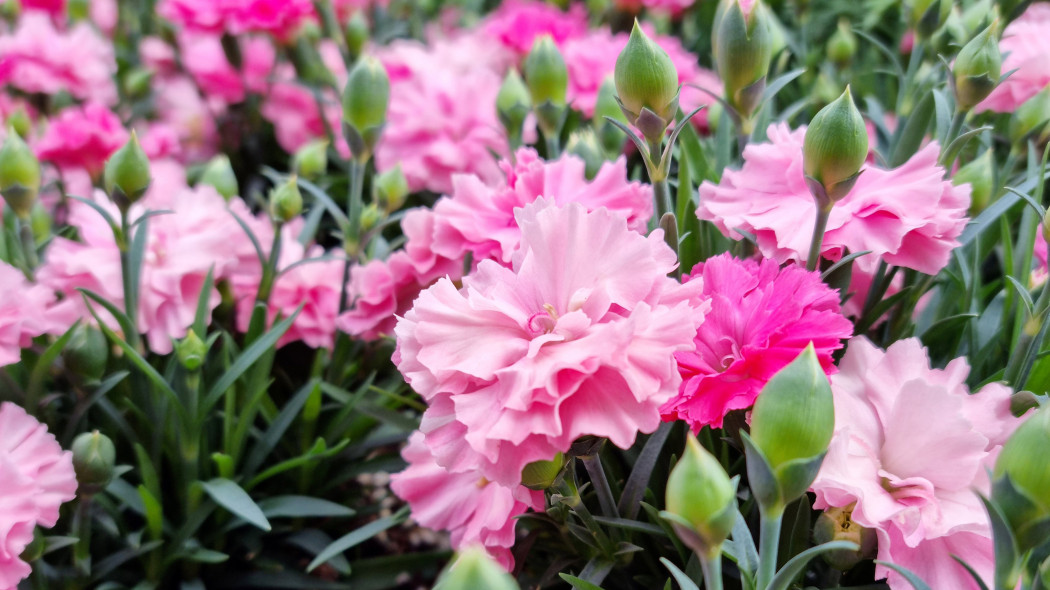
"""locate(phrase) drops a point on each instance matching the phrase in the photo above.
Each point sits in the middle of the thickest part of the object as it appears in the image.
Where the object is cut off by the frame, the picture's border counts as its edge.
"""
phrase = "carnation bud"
(927, 16)
(365, 101)
(474, 568)
(834, 149)
(646, 79)
(356, 33)
(218, 174)
(584, 144)
(311, 160)
(836, 524)
(842, 45)
(980, 175)
(390, 189)
(10, 9)
(1024, 463)
(513, 103)
(86, 353)
(977, 69)
(1032, 119)
(78, 10)
(540, 475)
(743, 51)
(607, 105)
(701, 494)
(370, 217)
(93, 459)
(40, 222)
(137, 82)
(127, 174)
(19, 119)
(19, 174)
(191, 351)
(286, 202)
(546, 75)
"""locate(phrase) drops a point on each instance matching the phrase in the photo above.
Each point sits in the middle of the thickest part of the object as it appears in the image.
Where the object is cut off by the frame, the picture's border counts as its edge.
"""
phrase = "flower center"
(543, 322)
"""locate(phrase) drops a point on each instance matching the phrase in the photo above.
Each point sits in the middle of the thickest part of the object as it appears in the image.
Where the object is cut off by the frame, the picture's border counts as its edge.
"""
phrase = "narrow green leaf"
(232, 497)
(302, 507)
(154, 513)
(915, 581)
(200, 318)
(792, 569)
(44, 364)
(359, 536)
(679, 576)
(579, 584)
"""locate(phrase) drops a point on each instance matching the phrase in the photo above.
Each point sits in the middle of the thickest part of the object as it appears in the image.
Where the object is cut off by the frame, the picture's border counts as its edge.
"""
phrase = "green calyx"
(645, 77)
(977, 68)
(218, 174)
(744, 48)
(834, 149)
(311, 160)
(701, 493)
(94, 457)
(473, 568)
(19, 174)
(390, 189)
(546, 75)
(365, 101)
(513, 102)
(127, 173)
(286, 202)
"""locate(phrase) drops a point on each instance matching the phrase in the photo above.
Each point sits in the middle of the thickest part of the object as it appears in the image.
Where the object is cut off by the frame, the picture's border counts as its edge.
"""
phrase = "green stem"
(355, 205)
(553, 150)
(82, 531)
(593, 463)
(131, 288)
(953, 132)
(25, 232)
(768, 546)
(712, 566)
(813, 260)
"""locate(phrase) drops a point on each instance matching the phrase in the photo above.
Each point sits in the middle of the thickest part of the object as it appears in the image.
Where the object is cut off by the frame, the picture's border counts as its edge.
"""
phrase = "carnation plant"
(597, 295)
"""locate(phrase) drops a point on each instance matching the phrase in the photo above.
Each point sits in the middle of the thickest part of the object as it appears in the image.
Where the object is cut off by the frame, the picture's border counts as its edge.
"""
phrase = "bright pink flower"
(473, 509)
(82, 137)
(517, 23)
(911, 446)
(524, 360)
(344, 9)
(1025, 46)
(480, 218)
(54, 8)
(280, 18)
(158, 56)
(23, 308)
(761, 318)
(666, 6)
(909, 216)
(195, 15)
(39, 58)
(205, 60)
(37, 478)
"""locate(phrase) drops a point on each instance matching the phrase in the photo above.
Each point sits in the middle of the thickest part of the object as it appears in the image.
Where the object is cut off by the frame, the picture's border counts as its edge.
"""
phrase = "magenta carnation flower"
(205, 60)
(280, 18)
(761, 319)
(23, 313)
(909, 216)
(517, 23)
(82, 137)
(37, 478)
(522, 361)
(1024, 46)
(911, 446)
(474, 510)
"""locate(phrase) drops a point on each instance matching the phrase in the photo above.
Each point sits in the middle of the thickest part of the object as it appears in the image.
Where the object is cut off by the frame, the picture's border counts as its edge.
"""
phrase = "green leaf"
(973, 573)
(251, 237)
(115, 560)
(154, 512)
(913, 132)
(741, 549)
(136, 254)
(44, 364)
(263, 446)
(232, 497)
(122, 319)
(200, 318)
(579, 584)
(794, 568)
(679, 576)
(634, 489)
(359, 536)
(1007, 560)
(302, 507)
(915, 581)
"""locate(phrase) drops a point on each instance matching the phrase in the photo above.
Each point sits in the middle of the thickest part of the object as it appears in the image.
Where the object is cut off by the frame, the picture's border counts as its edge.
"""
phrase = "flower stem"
(813, 260)
(25, 232)
(131, 288)
(712, 566)
(552, 145)
(768, 546)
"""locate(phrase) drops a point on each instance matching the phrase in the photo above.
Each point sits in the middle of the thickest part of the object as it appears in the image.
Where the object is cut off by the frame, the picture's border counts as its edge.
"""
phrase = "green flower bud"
(1032, 119)
(836, 524)
(127, 174)
(842, 45)
(513, 103)
(78, 10)
(607, 105)
(977, 69)
(370, 217)
(584, 143)
(86, 353)
(928, 15)
(834, 149)
(93, 459)
(40, 223)
(191, 351)
(365, 101)
(137, 82)
(1022, 459)
(19, 119)
(646, 78)
(219, 175)
(979, 15)
(546, 75)
(474, 569)
(10, 9)
(980, 175)
(286, 202)
(311, 160)
(700, 492)
(744, 49)
(19, 175)
(540, 475)
(356, 33)
(390, 189)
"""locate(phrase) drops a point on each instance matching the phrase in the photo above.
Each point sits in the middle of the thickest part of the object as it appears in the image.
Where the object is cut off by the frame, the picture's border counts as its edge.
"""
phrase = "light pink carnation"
(524, 360)
(909, 216)
(473, 509)
(761, 318)
(205, 60)
(36, 57)
(911, 446)
(181, 108)
(1025, 46)
(82, 137)
(517, 23)
(23, 308)
(37, 478)
(280, 18)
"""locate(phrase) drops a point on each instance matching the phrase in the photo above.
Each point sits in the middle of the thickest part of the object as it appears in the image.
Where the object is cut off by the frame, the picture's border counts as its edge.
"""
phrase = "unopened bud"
(584, 143)
(744, 49)
(127, 174)
(365, 101)
(927, 16)
(356, 33)
(191, 351)
(19, 120)
(701, 493)
(842, 45)
(19, 174)
(474, 568)
(540, 475)
(86, 353)
(10, 9)
(546, 75)
(607, 105)
(836, 524)
(834, 149)
(1032, 119)
(513, 103)
(370, 217)
(93, 459)
(137, 82)
(311, 160)
(219, 175)
(980, 175)
(977, 69)
(286, 202)
(78, 10)
(390, 189)
(40, 222)
(646, 79)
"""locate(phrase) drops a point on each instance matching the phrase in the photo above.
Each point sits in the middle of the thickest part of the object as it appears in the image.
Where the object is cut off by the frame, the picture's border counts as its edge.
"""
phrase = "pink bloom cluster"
(23, 313)
(761, 319)
(908, 216)
(37, 478)
(179, 106)
(1025, 46)
(280, 18)
(82, 138)
(923, 506)
(204, 59)
(517, 23)
(667, 6)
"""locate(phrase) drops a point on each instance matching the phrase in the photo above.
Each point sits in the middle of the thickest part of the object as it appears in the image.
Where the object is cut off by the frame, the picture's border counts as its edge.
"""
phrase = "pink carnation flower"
(181, 108)
(909, 216)
(911, 445)
(280, 18)
(37, 478)
(205, 60)
(1025, 46)
(473, 509)
(54, 8)
(37, 58)
(82, 137)
(23, 308)
(517, 23)
(761, 318)
(666, 6)
(524, 360)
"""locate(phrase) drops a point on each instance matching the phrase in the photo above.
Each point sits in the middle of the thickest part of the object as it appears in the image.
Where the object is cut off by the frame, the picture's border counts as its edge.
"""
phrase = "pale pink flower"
(909, 216)
(473, 509)
(480, 218)
(37, 57)
(158, 56)
(37, 478)
(1039, 273)
(105, 14)
(522, 361)
(1024, 46)
(204, 58)
(344, 9)
(911, 447)
(23, 307)
(517, 23)
(280, 18)
(180, 106)
(82, 137)
(761, 319)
